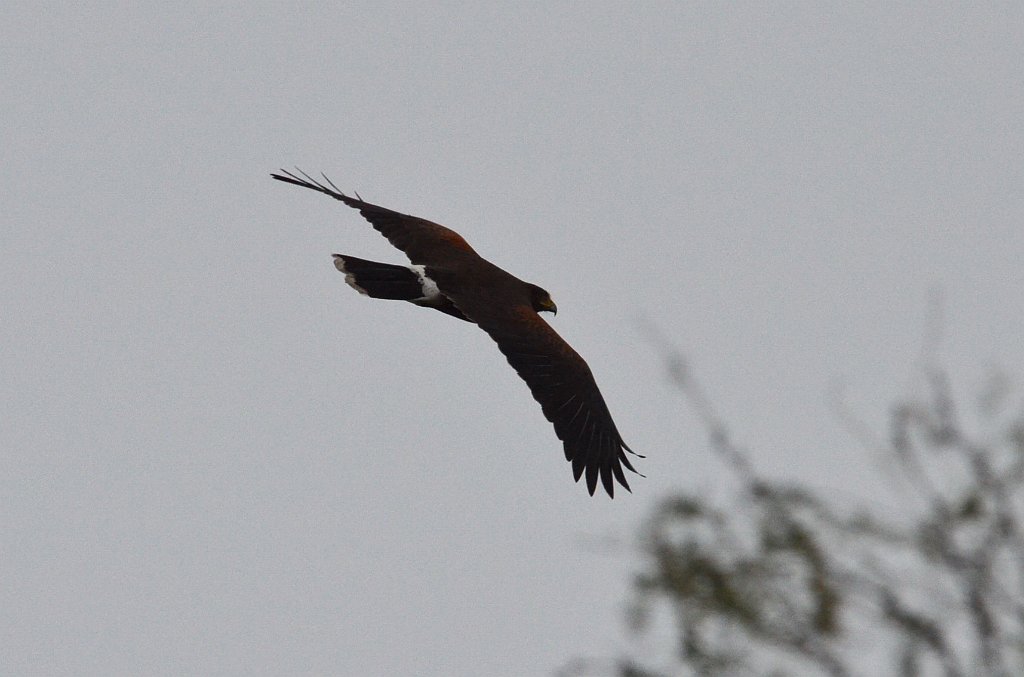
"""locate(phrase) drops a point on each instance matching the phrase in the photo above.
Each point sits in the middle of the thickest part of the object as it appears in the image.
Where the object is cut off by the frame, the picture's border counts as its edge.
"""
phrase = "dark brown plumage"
(449, 276)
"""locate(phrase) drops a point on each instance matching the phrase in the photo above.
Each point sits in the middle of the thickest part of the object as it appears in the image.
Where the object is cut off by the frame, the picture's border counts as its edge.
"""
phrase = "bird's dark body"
(448, 275)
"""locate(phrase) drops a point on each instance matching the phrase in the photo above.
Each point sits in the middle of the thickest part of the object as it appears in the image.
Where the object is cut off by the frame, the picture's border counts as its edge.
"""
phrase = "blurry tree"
(784, 581)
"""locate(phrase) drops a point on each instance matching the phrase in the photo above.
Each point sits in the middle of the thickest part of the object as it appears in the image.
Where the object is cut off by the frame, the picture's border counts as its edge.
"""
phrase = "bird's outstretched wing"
(563, 384)
(424, 242)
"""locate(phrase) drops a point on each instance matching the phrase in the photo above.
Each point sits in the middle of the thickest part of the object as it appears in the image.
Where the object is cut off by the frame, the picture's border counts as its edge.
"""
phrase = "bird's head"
(541, 300)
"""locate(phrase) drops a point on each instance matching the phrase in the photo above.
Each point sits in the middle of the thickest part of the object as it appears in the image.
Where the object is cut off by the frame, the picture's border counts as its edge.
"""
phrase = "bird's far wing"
(563, 384)
(424, 242)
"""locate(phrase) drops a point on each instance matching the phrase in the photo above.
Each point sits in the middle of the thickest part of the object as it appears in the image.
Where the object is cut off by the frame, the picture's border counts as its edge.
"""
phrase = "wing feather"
(425, 243)
(558, 377)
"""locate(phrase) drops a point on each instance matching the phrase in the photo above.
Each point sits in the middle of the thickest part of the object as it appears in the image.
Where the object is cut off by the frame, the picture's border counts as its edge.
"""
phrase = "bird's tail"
(379, 280)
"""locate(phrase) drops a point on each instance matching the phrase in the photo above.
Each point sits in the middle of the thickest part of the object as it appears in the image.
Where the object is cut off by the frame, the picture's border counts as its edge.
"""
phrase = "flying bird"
(448, 275)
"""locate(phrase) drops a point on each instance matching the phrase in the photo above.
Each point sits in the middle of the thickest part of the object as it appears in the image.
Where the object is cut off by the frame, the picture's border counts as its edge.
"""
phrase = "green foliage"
(782, 580)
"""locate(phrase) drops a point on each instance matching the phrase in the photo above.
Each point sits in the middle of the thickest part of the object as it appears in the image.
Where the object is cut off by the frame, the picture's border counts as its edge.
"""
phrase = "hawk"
(448, 275)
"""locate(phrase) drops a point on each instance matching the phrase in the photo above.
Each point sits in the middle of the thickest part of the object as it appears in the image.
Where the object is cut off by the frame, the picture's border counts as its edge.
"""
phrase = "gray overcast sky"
(218, 459)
